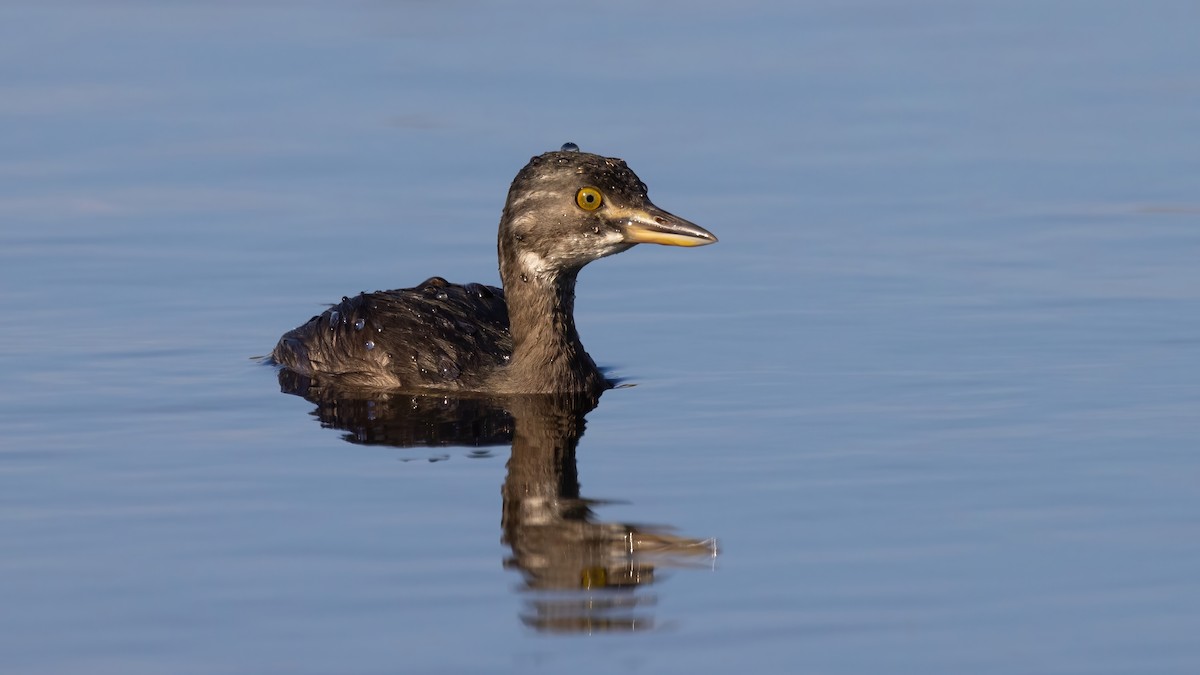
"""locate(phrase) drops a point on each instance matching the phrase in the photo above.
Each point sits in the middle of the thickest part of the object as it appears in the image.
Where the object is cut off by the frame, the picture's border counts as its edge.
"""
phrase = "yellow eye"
(588, 198)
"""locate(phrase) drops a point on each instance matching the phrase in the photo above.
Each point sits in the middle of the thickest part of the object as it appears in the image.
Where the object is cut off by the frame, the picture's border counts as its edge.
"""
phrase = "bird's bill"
(652, 225)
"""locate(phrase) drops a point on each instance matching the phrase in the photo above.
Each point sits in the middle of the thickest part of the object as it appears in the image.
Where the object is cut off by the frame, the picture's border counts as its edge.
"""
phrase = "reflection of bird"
(582, 573)
(578, 573)
(564, 210)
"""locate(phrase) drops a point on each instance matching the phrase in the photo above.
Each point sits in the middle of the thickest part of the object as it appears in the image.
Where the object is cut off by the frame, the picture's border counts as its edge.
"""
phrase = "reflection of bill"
(580, 575)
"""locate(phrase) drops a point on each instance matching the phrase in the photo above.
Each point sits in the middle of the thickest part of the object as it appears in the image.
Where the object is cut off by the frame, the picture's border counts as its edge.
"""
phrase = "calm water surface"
(936, 392)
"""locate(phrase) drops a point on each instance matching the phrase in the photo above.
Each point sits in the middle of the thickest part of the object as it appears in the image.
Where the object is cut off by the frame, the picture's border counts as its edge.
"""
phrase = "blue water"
(935, 393)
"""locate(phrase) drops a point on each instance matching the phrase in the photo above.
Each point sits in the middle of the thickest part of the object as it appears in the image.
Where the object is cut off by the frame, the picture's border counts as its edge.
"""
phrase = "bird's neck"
(547, 353)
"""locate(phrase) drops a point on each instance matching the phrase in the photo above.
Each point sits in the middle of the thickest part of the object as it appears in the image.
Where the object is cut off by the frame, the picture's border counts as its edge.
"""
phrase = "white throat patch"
(533, 265)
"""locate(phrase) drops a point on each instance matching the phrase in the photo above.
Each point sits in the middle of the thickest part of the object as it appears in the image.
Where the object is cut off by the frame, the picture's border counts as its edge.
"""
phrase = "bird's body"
(436, 335)
(564, 210)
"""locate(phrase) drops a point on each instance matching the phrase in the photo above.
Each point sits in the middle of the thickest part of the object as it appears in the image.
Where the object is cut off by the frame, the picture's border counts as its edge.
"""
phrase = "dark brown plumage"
(564, 210)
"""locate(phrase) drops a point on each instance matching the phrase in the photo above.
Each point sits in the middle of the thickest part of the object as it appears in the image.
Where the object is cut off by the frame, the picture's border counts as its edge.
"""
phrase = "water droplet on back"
(441, 295)
(334, 317)
(358, 325)
(570, 147)
(448, 369)
(370, 345)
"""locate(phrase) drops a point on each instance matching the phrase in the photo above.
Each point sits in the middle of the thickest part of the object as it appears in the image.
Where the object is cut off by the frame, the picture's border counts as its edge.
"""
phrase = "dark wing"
(436, 335)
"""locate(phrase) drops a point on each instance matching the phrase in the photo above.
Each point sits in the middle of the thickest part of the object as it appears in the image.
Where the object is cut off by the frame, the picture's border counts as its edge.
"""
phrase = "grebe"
(564, 209)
